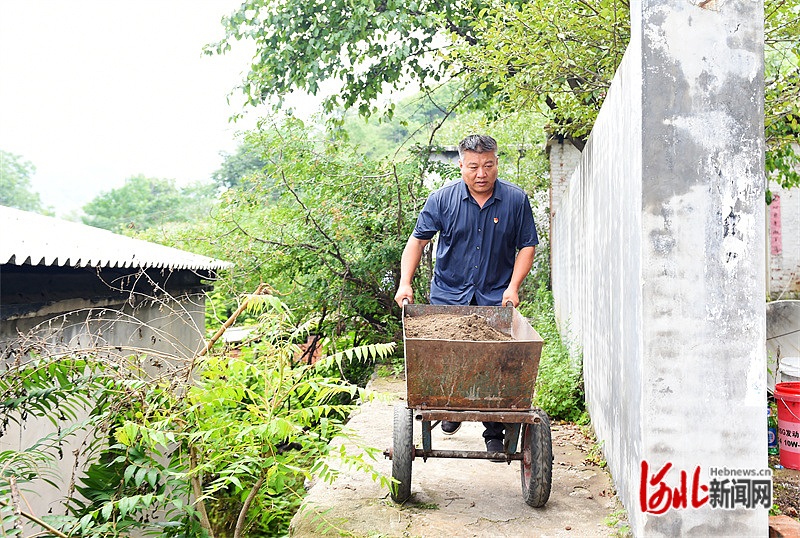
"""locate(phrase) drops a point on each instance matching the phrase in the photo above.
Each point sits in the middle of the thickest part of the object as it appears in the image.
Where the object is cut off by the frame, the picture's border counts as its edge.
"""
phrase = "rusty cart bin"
(474, 381)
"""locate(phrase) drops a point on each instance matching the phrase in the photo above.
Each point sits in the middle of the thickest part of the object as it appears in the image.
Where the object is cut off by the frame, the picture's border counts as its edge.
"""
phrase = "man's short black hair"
(477, 143)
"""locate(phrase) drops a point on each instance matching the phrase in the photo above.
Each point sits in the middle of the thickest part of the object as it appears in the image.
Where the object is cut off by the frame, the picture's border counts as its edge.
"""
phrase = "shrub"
(559, 383)
(220, 450)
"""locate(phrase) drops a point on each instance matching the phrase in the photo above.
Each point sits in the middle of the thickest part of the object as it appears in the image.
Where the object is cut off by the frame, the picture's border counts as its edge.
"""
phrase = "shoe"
(493, 446)
(449, 428)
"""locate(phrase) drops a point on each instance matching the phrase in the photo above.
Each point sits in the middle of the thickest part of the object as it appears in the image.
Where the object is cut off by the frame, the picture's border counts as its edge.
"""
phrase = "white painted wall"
(783, 226)
(596, 274)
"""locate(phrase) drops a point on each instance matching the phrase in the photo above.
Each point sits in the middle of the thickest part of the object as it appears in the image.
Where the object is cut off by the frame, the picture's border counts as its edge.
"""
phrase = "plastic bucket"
(789, 387)
(787, 397)
(790, 369)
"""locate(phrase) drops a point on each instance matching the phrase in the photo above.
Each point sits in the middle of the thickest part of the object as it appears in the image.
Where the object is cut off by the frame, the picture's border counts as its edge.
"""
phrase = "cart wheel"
(403, 452)
(537, 462)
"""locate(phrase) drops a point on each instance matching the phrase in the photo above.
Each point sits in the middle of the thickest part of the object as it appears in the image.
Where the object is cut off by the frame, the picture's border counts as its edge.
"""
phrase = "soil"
(471, 327)
(785, 488)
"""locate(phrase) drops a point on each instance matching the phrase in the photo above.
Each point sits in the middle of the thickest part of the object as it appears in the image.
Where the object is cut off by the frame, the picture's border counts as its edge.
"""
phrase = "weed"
(595, 452)
(775, 510)
(595, 455)
(587, 430)
(559, 384)
(619, 521)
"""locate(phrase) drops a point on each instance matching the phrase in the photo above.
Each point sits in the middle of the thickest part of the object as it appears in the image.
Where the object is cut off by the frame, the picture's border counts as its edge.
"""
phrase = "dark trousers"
(494, 430)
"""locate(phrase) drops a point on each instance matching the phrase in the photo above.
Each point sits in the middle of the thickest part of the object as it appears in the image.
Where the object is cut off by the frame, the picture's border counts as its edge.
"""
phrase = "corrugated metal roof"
(32, 239)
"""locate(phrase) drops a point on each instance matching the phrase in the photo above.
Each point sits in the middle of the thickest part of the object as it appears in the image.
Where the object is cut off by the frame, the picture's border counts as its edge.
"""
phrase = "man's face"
(479, 172)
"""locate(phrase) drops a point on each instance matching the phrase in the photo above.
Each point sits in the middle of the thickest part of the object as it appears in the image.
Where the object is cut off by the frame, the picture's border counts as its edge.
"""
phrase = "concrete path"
(458, 498)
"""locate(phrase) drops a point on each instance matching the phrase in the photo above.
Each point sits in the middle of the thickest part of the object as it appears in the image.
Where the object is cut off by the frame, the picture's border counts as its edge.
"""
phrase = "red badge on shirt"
(495, 220)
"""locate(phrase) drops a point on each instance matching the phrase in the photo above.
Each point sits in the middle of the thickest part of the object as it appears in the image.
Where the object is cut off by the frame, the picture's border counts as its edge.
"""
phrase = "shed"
(67, 287)
(63, 284)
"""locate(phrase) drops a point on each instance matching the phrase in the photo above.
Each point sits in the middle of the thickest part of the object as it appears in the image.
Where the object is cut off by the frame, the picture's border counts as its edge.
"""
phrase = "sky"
(93, 92)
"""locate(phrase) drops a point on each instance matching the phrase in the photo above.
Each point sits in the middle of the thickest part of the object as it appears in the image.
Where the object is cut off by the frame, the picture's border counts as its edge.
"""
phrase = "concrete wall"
(658, 262)
(783, 245)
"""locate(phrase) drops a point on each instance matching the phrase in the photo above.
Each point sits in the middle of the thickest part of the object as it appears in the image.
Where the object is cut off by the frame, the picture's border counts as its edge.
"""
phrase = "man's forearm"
(412, 255)
(409, 262)
(522, 266)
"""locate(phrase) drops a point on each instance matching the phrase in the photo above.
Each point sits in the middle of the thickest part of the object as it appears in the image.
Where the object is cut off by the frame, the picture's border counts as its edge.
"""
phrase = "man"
(487, 239)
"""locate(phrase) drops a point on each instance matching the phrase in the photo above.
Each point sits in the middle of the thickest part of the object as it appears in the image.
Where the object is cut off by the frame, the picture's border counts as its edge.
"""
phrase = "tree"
(556, 56)
(369, 46)
(409, 127)
(320, 224)
(15, 183)
(238, 167)
(143, 203)
(782, 92)
(560, 56)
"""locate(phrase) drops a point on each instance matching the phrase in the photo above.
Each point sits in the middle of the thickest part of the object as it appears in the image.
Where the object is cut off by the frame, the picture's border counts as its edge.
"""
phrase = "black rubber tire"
(536, 466)
(402, 452)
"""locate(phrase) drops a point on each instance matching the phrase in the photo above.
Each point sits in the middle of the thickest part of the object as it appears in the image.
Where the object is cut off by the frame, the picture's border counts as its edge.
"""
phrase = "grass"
(619, 521)
(426, 506)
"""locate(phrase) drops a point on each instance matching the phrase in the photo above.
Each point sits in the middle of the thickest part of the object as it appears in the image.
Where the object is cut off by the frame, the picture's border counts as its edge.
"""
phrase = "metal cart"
(469, 381)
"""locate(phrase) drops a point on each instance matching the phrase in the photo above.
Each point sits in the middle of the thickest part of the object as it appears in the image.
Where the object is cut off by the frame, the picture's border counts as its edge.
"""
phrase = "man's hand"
(404, 292)
(512, 296)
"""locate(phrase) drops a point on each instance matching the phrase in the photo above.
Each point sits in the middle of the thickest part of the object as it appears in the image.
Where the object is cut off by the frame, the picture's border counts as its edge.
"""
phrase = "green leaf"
(126, 505)
(152, 477)
(107, 510)
(129, 470)
(140, 475)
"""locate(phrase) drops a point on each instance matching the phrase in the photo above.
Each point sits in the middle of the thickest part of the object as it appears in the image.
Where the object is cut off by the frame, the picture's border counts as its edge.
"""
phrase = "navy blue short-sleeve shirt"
(477, 246)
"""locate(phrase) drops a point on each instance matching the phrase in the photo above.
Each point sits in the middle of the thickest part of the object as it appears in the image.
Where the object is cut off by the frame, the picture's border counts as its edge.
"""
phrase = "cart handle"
(508, 303)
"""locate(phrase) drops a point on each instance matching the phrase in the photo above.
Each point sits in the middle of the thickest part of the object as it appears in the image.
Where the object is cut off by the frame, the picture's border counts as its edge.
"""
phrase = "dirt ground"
(785, 488)
(460, 498)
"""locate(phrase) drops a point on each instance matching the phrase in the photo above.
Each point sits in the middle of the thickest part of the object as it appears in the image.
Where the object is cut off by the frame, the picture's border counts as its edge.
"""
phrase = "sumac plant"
(219, 448)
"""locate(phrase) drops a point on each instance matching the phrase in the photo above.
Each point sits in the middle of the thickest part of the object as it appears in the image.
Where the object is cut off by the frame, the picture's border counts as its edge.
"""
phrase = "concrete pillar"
(658, 267)
(703, 315)
(564, 158)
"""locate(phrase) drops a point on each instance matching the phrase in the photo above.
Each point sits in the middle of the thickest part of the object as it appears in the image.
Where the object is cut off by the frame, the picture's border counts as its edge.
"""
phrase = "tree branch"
(262, 289)
(197, 487)
(240, 521)
(33, 519)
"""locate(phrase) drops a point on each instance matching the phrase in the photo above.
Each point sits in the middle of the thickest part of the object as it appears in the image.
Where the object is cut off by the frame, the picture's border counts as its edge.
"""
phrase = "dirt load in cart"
(453, 376)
